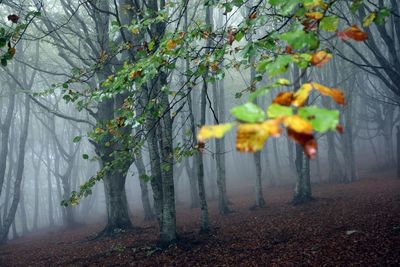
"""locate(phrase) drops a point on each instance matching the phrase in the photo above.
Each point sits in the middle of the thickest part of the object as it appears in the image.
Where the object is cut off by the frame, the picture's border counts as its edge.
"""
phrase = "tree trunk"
(220, 158)
(19, 174)
(302, 192)
(148, 213)
(260, 202)
(117, 205)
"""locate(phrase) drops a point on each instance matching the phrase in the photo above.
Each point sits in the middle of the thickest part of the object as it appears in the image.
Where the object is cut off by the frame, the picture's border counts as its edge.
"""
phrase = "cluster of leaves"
(299, 45)
(10, 36)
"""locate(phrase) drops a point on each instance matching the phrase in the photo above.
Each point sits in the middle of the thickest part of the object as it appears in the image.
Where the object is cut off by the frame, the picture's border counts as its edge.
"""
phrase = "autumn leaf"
(336, 94)
(297, 124)
(171, 44)
(353, 33)
(369, 19)
(307, 141)
(320, 58)
(314, 15)
(301, 95)
(253, 15)
(284, 98)
(134, 74)
(231, 37)
(13, 18)
(252, 136)
(339, 129)
(213, 131)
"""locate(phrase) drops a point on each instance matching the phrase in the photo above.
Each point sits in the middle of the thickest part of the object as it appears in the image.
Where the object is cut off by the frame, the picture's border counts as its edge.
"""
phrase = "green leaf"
(276, 110)
(3, 41)
(279, 66)
(3, 62)
(299, 39)
(356, 5)
(239, 35)
(322, 120)
(286, 6)
(248, 112)
(145, 178)
(329, 24)
(77, 139)
(382, 15)
(85, 156)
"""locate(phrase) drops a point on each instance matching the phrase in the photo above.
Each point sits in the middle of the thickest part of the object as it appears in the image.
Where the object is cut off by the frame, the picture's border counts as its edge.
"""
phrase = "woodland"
(199, 133)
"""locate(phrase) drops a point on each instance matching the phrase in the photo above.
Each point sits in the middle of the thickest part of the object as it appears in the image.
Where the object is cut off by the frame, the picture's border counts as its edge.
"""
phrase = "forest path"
(349, 224)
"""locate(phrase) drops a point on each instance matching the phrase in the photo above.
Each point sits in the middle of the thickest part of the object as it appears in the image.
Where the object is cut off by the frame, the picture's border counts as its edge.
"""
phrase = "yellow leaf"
(301, 95)
(314, 15)
(369, 19)
(283, 82)
(334, 93)
(135, 31)
(171, 44)
(313, 4)
(213, 131)
(252, 136)
(297, 124)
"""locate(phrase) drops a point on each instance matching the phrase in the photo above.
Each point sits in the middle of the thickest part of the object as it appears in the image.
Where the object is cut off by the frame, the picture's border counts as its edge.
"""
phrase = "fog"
(54, 152)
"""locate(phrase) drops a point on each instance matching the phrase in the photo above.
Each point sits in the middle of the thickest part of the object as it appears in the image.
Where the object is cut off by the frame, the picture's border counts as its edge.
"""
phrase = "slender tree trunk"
(49, 189)
(19, 174)
(220, 160)
(302, 192)
(148, 213)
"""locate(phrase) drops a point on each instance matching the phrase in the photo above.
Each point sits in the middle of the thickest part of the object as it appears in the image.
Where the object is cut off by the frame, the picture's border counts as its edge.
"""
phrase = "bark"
(220, 158)
(148, 213)
(19, 174)
(5, 134)
(49, 189)
(398, 151)
(302, 192)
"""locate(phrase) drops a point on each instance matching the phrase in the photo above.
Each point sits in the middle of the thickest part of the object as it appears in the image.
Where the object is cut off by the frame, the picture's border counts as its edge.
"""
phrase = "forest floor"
(355, 224)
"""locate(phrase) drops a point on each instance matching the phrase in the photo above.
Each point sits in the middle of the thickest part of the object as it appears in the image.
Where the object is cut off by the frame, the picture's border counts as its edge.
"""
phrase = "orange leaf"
(301, 95)
(284, 98)
(354, 33)
(320, 58)
(314, 15)
(335, 94)
(340, 129)
(253, 15)
(171, 44)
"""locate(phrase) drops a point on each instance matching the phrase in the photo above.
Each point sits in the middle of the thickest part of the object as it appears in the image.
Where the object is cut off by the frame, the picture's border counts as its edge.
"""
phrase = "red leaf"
(306, 140)
(354, 33)
(13, 18)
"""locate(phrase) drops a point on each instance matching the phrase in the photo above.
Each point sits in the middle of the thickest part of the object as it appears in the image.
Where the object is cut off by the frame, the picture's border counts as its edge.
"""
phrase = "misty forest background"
(57, 131)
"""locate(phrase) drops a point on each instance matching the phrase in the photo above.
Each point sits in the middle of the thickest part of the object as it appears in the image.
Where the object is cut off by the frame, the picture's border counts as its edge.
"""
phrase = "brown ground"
(349, 224)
